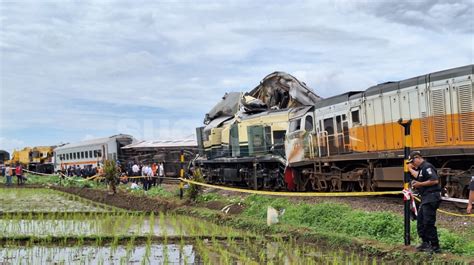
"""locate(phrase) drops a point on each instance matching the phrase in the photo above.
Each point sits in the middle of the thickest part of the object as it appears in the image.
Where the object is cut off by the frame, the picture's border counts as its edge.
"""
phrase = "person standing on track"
(427, 183)
(471, 196)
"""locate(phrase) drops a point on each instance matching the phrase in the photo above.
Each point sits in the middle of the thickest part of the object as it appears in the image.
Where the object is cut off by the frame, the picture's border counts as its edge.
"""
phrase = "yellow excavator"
(38, 159)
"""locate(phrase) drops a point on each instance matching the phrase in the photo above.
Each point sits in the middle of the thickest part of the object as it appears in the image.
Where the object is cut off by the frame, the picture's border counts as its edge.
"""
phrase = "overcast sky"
(75, 70)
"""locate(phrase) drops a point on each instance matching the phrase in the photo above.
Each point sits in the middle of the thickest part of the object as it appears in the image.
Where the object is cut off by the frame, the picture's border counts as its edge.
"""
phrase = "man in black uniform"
(471, 196)
(427, 183)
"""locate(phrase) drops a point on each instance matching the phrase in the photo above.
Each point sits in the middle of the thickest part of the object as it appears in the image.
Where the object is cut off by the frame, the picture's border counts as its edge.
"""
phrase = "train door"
(234, 140)
(441, 121)
(342, 127)
(331, 136)
(293, 144)
(309, 141)
(357, 131)
(337, 130)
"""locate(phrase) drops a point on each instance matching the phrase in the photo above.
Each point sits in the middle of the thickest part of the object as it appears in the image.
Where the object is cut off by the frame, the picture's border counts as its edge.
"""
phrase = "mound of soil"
(121, 199)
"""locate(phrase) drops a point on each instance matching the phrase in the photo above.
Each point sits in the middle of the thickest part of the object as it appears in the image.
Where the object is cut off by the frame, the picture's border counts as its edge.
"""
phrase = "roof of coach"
(336, 99)
(414, 81)
(451, 73)
(93, 142)
(381, 88)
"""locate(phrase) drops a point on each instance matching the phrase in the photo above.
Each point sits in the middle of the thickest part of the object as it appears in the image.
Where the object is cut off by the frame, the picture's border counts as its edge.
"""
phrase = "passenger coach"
(91, 152)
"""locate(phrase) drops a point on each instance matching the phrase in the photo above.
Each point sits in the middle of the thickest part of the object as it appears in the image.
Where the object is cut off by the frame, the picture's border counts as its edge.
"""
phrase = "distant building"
(4, 156)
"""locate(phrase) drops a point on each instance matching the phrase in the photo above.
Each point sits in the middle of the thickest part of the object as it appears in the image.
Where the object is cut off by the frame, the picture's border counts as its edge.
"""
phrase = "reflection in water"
(198, 252)
(155, 254)
(100, 226)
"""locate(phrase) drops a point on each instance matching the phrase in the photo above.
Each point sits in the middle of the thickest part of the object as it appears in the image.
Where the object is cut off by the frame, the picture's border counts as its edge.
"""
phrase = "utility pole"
(406, 177)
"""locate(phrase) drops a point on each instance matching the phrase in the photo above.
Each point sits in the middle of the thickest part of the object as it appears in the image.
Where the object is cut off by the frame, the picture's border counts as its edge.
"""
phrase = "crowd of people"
(11, 171)
(150, 174)
(76, 170)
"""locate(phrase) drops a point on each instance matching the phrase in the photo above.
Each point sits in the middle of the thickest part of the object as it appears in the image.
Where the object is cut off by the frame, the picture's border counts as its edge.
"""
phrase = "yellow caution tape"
(295, 194)
(37, 173)
(450, 213)
(81, 180)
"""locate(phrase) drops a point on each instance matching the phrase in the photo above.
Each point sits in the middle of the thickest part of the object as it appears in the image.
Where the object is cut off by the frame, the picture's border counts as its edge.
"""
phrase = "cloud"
(78, 68)
(445, 16)
(10, 144)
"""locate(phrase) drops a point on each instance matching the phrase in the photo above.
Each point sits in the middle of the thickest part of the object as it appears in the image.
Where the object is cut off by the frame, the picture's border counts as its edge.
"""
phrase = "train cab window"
(355, 117)
(329, 126)
(99, 153)
(295, 125)
(338, 124)
(308, 123)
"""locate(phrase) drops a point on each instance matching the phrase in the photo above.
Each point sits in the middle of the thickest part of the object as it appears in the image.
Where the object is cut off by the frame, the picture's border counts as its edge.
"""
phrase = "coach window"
(308, 123)
(355, 117)
(99, 153)
(74, 155)
(90, 154)
(82, 155)
(87, 154)
(78, 155)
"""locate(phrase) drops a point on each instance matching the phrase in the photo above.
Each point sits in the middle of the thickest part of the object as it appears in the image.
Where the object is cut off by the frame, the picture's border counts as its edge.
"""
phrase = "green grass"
(155, 191)
(385, 227)
(40, 180)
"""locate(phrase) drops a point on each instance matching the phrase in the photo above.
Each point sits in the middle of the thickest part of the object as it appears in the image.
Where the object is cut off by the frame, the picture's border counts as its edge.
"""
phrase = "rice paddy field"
(43, 226)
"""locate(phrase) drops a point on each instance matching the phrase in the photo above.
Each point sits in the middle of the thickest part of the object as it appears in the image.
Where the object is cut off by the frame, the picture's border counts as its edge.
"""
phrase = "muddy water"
(73, 217)
(155, 254)
(112, 225)
(201, 252)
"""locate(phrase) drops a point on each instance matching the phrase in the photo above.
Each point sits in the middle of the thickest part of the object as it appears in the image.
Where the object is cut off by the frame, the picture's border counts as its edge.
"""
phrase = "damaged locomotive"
(244, 137)
(282, 135)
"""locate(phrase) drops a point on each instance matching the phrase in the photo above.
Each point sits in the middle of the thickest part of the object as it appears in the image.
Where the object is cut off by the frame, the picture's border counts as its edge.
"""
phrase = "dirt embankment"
(129, 201)
(121, 199)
